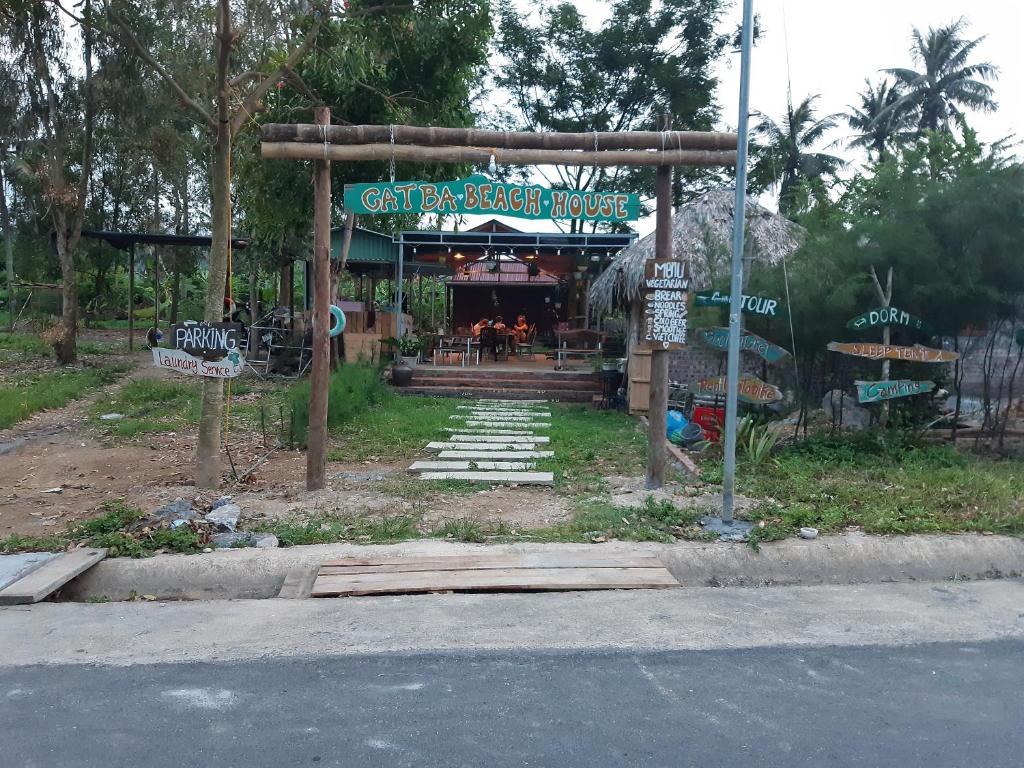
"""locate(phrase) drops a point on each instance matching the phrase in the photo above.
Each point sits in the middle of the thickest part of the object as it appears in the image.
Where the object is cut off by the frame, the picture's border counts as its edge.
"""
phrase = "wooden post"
(885, 296)
(657, 414)
(131, 297)
(316, 450)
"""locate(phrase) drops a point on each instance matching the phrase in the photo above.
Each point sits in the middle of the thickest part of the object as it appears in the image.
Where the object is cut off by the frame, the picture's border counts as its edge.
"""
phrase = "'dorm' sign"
(478, 194)
(664, 320)
(886, 316)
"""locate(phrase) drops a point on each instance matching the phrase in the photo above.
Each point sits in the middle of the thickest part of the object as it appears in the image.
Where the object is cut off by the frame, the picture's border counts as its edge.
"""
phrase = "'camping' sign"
(718, 338)
(875, 391)
(480, 195)
(665, 287)
(757, 305)
(750, 389)
(886, 316)
(914, 354)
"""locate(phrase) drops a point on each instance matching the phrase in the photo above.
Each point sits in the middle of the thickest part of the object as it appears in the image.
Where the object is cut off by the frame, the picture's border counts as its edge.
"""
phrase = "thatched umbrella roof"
(702, 233)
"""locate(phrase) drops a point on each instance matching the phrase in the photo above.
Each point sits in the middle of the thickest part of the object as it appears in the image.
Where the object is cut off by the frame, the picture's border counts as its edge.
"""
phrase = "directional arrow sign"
(758, 305)
(751, 389)
(914, 354)
(749, 342)
(886, 316)
(874, 391)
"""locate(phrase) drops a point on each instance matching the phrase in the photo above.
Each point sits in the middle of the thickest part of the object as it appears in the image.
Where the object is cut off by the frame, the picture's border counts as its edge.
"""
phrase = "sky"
(828, 47)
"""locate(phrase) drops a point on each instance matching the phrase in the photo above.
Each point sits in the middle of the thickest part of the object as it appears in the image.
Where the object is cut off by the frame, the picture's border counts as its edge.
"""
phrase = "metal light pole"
(733, 363)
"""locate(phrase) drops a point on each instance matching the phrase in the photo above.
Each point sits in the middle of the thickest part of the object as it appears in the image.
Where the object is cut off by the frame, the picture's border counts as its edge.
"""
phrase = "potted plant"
(409, 349)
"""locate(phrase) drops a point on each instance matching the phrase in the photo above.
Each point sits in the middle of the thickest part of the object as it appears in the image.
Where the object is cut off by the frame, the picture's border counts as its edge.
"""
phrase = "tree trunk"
(316, 443)
(8, 226)
(67, 348)
(208, 450)
(175, 291)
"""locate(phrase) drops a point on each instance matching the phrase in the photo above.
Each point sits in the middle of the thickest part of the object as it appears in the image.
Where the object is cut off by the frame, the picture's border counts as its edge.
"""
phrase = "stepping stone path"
(493, 441)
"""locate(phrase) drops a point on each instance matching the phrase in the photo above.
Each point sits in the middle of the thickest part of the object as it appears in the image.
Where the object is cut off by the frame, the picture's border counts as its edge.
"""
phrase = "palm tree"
(947, 82)
(785, 157)
(881, 119)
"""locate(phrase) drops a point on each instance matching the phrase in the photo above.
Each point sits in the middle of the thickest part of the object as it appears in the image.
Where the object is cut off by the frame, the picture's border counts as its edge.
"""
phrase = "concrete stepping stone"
(497, 416)
(506, 402)
(485, 431)
(494, 455)
(507, 415)
(450, 446)
(495, 424)
(465, 466)
(501, 408)
(498, 439)
(509, 478)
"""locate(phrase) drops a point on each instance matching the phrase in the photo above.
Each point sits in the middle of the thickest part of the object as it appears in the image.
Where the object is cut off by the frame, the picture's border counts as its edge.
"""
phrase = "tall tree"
(948, 80)
(882, 118)
(648, 58)
(785, 155)
(61, 107)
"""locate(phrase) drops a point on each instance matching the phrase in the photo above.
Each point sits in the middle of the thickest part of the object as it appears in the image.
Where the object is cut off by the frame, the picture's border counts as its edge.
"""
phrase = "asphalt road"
(937, 705)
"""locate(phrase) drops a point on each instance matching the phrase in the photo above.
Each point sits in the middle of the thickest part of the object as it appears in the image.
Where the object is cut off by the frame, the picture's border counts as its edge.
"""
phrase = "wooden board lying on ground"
(50, 576)
(539, 571)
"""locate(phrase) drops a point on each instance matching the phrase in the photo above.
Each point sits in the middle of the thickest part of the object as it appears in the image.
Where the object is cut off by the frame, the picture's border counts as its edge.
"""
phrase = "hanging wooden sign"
(886, 316)
(757, 305)
(718, 338)
(750, 389)
(914, 354)
(205, 338)
(181, 361)
(665, 310)
(480, 195)
(875, 391)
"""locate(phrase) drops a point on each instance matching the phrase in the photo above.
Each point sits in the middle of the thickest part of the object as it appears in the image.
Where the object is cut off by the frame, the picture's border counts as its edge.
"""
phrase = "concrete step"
(465, 466)
(502, 478)
(495, 455)
(474, 431)
(508, 384)
(471, 393)
(489, 423)
(455, 446)
(485, 416)
(499, 439)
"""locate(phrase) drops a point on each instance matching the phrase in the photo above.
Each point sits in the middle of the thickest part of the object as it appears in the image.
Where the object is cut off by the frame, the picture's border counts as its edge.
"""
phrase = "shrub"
(352, 389)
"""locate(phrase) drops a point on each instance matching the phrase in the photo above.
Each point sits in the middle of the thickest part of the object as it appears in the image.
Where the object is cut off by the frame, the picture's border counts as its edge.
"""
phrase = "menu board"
(665, 292)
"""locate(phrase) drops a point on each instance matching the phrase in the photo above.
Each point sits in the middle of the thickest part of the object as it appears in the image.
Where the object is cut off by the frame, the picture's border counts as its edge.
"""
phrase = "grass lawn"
(25, 395)
(883, 487)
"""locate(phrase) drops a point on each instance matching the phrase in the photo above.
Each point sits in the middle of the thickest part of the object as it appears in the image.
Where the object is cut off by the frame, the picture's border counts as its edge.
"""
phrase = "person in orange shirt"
(521, 328)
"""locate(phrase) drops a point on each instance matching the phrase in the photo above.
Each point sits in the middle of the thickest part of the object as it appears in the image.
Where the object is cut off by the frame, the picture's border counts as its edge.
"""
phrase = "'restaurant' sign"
(914, 354)
(750, 389)
(181, 361)
(665, 291)
(874, 391)
(718, 338)
(478, 194)
(205, 338)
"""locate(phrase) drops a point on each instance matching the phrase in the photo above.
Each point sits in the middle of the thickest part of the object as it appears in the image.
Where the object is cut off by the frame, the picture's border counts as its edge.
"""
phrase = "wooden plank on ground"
(545, 559)
(49, 577)
(512, 478)
(298, 583)
(514, 580)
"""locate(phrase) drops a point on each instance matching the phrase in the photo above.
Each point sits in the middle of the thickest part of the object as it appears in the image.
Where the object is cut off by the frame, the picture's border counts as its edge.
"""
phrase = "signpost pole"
(733, 363)
(316, 453)
(131, 297)
(657, 413)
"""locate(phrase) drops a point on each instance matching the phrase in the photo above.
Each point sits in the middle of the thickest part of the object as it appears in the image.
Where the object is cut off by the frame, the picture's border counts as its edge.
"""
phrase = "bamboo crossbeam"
(471, 155)
(472, 137)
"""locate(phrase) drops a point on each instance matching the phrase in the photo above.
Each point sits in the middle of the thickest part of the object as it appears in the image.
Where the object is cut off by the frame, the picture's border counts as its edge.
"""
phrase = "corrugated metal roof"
(483, 272)
(368, 247)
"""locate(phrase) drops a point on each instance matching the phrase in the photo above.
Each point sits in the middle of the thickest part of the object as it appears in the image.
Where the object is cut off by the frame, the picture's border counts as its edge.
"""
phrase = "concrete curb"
(846, 559)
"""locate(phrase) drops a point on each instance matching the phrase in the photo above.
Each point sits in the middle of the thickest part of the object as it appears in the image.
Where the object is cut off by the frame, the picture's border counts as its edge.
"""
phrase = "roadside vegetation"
(23, 395)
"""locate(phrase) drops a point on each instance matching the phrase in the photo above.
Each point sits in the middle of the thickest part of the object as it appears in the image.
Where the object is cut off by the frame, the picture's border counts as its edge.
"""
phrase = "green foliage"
(151, 405)
(354, 388)
(328, 530)
(883, 482)
(756, 441)
(593, 445)
(654, 521)
(29, 394)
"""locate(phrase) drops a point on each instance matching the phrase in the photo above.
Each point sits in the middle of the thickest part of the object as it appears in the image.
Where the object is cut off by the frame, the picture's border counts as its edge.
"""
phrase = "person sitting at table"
(521, 328)
(499, 324)
(483, 323)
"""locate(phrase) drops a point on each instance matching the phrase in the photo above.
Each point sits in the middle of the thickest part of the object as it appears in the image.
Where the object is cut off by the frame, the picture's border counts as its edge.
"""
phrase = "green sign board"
(758, 305)
(749, 342)
(875, 391)
(886, 316)
(478, 194)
